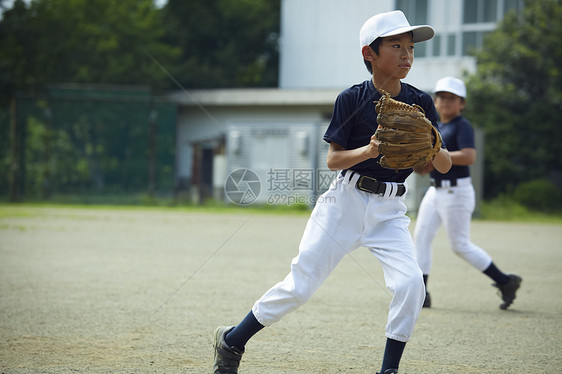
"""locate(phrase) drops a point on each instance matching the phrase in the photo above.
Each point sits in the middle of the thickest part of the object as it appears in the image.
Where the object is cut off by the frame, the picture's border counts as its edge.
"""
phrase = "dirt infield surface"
(141, 291)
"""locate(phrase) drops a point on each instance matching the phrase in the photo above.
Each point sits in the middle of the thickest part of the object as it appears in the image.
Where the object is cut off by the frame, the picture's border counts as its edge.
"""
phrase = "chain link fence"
(78, 140)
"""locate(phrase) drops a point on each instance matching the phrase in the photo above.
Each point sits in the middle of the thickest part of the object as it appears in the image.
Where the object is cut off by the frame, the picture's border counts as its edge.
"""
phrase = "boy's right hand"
(373, 147)
(424, 169)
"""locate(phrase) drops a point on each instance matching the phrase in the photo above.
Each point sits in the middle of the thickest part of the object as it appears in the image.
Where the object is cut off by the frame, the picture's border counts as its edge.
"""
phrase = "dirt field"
(141, 291)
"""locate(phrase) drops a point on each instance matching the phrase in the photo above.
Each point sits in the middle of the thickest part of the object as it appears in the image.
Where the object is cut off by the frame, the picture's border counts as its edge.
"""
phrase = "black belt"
(439, 182)
(371, 185)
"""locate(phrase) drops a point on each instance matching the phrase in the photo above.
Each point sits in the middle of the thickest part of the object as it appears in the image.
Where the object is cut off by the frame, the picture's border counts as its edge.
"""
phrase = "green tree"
(225, 43)
(516, 97)
(47, 42)
(81, 41)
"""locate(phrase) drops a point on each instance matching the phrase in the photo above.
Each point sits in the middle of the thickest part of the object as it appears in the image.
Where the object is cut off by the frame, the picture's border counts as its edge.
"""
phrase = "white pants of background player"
(452, 207)
(343, 220)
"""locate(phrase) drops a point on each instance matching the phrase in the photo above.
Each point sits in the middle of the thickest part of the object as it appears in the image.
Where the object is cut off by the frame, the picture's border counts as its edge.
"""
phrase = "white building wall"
(195, 125)
(320, 43)
(289, 157)
(266, 140)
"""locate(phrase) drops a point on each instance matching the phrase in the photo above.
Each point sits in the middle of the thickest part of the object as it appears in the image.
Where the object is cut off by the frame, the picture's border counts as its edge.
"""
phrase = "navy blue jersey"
(354, 121)
(458, 134)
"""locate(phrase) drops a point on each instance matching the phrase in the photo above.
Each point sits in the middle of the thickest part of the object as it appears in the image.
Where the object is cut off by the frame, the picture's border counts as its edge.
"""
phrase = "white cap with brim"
(389, 24)
(452, 85)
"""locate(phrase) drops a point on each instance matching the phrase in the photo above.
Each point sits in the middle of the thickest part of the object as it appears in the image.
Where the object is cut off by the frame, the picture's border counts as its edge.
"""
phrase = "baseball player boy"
(450, 200)
(363, 207)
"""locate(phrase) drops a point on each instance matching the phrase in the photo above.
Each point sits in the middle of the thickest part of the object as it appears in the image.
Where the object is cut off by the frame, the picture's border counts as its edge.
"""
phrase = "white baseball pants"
(343, 220)
(452, 207)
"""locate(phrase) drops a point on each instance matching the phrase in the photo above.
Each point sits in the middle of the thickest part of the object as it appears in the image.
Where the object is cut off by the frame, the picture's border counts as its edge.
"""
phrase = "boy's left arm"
(442, 161)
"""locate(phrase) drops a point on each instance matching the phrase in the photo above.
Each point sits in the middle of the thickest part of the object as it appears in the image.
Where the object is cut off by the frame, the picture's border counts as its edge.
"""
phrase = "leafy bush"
(539, 194)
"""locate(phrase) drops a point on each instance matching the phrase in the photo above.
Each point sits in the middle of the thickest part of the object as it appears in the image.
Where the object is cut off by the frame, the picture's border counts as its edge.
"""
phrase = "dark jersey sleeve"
(465, 135)
(342, 120)
(431, 113)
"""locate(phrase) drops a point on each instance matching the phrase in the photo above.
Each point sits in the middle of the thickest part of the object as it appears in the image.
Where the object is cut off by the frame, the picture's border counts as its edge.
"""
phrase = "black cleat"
(390, 371)
(427, 301)
(227, 359)
(508, 290)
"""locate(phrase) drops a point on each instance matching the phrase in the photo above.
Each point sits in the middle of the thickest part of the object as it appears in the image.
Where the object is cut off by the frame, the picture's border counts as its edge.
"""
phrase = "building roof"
(254, 96)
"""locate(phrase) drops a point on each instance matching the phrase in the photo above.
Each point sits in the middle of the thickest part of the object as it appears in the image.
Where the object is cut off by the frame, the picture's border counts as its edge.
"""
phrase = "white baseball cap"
(452, 85)
(389, 24)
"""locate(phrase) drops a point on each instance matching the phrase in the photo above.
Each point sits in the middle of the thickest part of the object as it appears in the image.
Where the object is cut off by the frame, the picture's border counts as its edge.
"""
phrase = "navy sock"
(425, 276)
(240, 335)
(392, 354)
(493, 272)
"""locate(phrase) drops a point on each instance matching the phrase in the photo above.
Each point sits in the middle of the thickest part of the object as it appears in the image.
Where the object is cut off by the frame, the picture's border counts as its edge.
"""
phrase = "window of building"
(480, 11)
(490, 9)
(436, 46)
(420, 50)
(470, 11)
(469, 42)
(472, 41)
(416, 13)
(509, 5)
(480, 17)
(451, 45)
(414, 10)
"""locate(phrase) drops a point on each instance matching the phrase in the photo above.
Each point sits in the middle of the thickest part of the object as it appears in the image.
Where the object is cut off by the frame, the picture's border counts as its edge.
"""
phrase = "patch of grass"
(13, 210)
(505, 209)
(500, 209)
(143, 203)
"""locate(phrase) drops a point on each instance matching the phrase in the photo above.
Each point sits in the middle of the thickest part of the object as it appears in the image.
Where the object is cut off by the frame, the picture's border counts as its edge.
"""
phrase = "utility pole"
(152, 151)
(14, 162)
(46, 155)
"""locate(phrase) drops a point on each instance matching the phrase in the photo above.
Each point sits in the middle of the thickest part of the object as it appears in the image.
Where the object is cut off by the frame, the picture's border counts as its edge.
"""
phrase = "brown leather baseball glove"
(407, 138)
